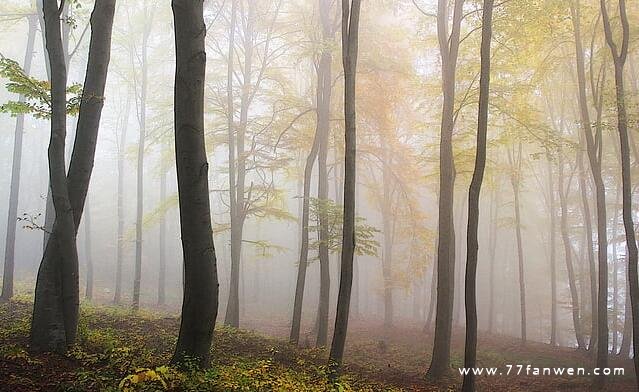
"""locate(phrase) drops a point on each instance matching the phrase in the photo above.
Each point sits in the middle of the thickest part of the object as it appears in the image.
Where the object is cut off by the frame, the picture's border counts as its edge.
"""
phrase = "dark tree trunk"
(12, 219)
(303, 260)
(199, 307)
(55, 313)
(619, 56)
(448, 48)
(350, 33)
(470, 350)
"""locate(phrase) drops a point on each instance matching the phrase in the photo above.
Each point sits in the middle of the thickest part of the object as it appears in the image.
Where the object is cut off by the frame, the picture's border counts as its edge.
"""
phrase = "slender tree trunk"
(55, 312)
(470, 350)
(324, 80)
(553, 254)
(14, 191)
(139, 210)
(433, 292)
(231, 142)
(350, 32)
(589, 248)
(387, 229)
(600, 193)
(615, 273)
(515, 182)
(121, 156)
(232, 317)
(88, 293)
(492, 243)
(162, 239)
(568, 252)
(448, 49)
(199, 306)
(303, 260)
(619, 56)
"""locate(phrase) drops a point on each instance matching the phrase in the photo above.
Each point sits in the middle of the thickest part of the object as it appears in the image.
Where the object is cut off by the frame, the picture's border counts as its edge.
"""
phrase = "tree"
(55, 311)
(350, 30)
(9, 250)
(470, 350)
(600, 314)
(141, 92)
(448, 50)
(515, 160)
(619, 56)
(199, 307)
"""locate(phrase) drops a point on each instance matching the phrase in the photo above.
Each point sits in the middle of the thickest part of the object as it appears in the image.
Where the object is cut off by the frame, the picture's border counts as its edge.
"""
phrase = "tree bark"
(199, 306)
(14, 191)
(350, 33)
(470, 350)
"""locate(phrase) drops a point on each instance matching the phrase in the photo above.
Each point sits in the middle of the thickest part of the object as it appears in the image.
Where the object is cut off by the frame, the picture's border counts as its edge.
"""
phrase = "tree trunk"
(619, 56)
(162, 239)
(470, 350)
(568, 252)
(232, 317)
(589, 249)
(387, 229)
(88, 293)
(514, 181)
(139, 209)
(601, 315)
(350, 32)
(448, 49)
(553, 254)
(121, 156)
(12, 219)
(324, 80)
(55, 312)
(199, 306)
(303, 260)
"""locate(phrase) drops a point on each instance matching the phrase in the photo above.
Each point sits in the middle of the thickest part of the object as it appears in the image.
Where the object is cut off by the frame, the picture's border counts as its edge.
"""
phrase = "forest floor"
(121, 351)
